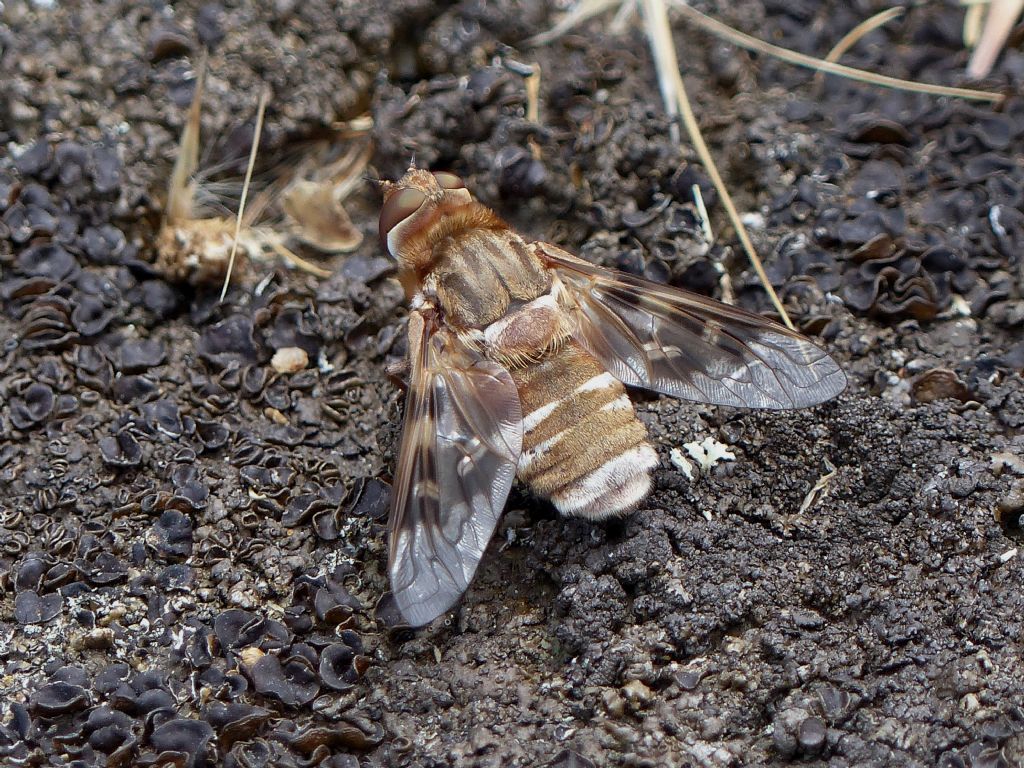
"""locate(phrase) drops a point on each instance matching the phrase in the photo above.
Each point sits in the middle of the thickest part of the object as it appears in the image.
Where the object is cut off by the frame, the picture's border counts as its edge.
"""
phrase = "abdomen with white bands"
(583, 446)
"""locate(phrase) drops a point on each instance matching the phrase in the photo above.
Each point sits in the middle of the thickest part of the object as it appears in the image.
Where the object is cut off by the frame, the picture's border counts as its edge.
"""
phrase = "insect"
(519, 355)
(198, 246)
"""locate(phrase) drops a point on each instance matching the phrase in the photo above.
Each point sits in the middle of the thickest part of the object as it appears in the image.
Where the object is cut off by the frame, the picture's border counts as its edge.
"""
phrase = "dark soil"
(192, 545)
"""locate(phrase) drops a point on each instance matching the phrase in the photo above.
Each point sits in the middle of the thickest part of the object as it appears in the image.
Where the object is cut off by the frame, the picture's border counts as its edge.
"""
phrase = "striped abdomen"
(583, 446)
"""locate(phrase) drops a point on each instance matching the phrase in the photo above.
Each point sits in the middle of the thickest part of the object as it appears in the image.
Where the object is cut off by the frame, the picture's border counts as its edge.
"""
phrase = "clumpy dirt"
(192, 544)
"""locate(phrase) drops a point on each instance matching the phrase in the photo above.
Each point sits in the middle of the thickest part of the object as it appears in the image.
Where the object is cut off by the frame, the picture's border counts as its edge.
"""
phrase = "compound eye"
(449, 180)
(397, 209)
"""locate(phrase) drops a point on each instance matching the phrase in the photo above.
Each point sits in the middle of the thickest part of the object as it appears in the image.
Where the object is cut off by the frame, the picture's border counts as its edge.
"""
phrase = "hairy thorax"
(482, 275)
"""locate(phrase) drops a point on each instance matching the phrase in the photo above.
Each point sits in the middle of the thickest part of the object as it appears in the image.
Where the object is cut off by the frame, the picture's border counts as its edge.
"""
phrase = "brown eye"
(449, 180)
(397, 209)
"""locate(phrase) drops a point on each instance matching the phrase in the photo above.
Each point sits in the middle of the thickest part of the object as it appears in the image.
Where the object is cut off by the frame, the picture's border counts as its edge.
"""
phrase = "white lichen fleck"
(709, 452)
(681, 463)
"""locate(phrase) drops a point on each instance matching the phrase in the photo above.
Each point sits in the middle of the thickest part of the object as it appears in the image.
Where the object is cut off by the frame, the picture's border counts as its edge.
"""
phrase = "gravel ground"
(192, 543)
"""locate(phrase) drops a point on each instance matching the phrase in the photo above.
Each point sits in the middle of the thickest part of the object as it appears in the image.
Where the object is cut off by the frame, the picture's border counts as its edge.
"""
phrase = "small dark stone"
(293, 681)
(104, 245)
(32, 407)
(807, 619)
(210, 25)
(372, 498)
(130, 389)
(47, 260)
(229, 341)
(34, 160)
(91, 317)
(520, 175)
(71, 160)
(811, 735)
(688, 679)
(569, 759)
(186, 736)
(108, 728)
(171, 534)
(31, 608)
(106, 168)
(120, 450)
(164, 417)
(157, 297)
(835, 703)
(234, 722)
(139, 355)
(166, 41)
(212, 434)
(58, 699)
(106, 568)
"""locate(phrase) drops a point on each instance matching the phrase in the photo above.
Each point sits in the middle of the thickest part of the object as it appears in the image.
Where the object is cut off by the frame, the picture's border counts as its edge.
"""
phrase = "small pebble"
(289, 360)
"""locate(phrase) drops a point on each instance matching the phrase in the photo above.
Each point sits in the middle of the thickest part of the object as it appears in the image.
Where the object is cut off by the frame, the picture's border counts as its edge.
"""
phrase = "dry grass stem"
(973, 20)
(742, 40)
(855, 35)
(293, 258)
(705, 220)
(533, 95)
(261, 110)
(1002, 15)
(677, 103)
(583, 10)
(181, 192)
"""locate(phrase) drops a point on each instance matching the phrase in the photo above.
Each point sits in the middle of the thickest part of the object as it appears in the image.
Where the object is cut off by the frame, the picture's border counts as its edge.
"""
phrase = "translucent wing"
(460, 447)
(688, 346)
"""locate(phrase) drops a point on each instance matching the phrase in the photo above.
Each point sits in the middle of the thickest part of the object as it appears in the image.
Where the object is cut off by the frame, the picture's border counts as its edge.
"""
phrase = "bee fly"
(519, 356)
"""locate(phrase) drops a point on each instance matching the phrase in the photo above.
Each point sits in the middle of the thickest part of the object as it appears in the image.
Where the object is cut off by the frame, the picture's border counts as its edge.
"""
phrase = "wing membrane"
(460, 447)
(688, 346)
